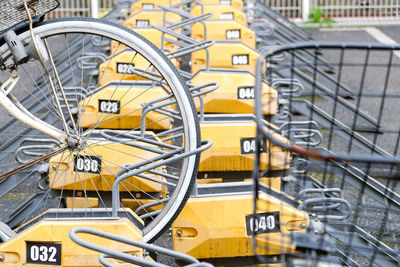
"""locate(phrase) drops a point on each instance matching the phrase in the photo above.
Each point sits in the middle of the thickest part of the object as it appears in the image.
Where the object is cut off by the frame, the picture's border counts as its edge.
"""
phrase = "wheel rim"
(188, 166)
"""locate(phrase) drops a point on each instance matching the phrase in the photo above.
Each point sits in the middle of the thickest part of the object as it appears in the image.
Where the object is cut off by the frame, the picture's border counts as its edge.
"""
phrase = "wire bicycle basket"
(343, 134)
(13, 11)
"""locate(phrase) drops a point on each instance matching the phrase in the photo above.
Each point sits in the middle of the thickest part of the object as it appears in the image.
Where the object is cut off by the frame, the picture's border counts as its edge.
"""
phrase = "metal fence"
(362, 11)
(81, 8)
(359, 8)
(288, 8)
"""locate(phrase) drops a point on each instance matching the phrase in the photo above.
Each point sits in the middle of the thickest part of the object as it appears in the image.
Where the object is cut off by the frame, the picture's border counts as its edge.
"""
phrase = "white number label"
(53, 253)
(109, 106)
(232, 34)
(147, 6)
(34, 253)
(43, 253)
(263, 223)
(248, 146)
(240, 60)
(225, 2)
(227, 16)
(125, 68)
(142, 23)
(87, 164)
(246, 93)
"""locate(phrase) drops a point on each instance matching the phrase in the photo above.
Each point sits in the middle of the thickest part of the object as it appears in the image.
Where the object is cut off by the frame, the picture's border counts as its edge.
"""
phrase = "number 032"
(43, 253)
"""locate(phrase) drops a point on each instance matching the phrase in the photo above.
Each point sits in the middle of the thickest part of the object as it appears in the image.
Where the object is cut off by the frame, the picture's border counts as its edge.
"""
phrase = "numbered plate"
(43, 253)
(245, 92)
(148, 6)
(109, 106)
(87, 164)
(125, 68)
(233, 34)
(227, 16)
(262, 223)
(248, 146)
(242, 59)
(142, 23)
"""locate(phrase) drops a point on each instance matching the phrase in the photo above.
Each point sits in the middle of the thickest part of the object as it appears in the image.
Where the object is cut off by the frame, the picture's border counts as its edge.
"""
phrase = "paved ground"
(356, 34)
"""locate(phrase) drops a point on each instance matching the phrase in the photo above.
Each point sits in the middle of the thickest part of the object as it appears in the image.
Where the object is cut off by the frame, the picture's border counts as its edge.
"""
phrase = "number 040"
(263, 223)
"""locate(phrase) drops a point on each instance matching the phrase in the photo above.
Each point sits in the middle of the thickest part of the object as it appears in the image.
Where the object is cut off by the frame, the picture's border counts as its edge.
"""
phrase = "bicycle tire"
(191, 131)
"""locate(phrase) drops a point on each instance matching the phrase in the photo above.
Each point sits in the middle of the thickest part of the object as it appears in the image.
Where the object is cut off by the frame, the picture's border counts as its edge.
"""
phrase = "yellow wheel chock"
(150, 4)
(221, 30)
(121, 106)
(221, 12)
(46, 241)
(234, 152)
(126, 66)
(226, 55)
(151, 34)
(146, 18)
(238, 4)
(235, 93)
(221, 226)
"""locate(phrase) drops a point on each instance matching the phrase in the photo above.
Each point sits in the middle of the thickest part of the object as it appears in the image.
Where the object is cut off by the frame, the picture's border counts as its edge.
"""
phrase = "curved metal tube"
(318, 201)
(139, 169)
(109, 253)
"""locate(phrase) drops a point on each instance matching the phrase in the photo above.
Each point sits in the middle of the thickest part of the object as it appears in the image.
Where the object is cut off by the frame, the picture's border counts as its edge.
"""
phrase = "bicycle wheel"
(143, 114)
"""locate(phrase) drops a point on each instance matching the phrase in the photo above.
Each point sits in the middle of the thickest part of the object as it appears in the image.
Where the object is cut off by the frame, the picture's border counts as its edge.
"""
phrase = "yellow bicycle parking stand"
(238, 4)
(45, 240)
(120, 112)
(225, 55)
(221, 12)
(126, 65)
(150, 4)
(236, 153)
(221, 30)
(146, 18)
(152, 34)
(235, 94)
(218, 225)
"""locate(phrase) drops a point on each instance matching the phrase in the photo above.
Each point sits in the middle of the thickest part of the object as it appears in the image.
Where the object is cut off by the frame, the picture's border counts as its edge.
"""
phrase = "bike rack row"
(217, 48)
